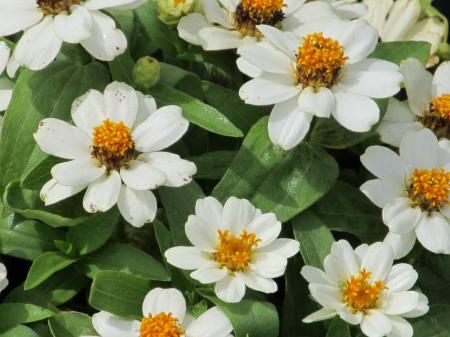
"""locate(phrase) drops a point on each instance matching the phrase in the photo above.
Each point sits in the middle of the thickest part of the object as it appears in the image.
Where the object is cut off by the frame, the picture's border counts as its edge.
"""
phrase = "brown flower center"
(437, 118)
(54, 7)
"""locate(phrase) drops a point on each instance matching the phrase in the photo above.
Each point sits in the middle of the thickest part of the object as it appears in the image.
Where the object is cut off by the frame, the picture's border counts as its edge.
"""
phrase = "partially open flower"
(171, 11)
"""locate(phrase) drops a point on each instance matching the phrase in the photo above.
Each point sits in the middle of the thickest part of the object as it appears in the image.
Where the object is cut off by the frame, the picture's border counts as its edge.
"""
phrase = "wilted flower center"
(360, 293)
(319, 61)
(235, 252)
(437, 118)
(250, 13)
(161, 325)
(54, 7)
(428, 189)
(112, 144)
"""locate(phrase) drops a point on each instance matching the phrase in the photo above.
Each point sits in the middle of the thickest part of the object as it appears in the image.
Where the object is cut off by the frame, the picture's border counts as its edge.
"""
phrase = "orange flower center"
(235, 252)
(161, 325)
(437, 118)
(319, 61)
(112, 144)
(54, 7)
(440, 106)
(360, 293)
(429, 189)
(250, 13)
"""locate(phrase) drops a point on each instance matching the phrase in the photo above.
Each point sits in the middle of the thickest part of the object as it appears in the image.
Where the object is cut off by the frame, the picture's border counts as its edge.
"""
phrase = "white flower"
(164, 315)
(413, 190)
(428, 103)
(3, 279)
(235, 245)
(363, 288)
(118, 136)
(402, 20)
(348, 9)
(321, 73)
(49, 23)
(228, 24)
(6, 85)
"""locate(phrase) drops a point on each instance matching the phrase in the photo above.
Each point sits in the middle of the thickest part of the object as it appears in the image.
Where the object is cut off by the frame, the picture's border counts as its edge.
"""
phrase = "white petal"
(421, 309)
(398, 303)
(215, 38)
(269, 265)
(16, 16)
(237, 214)
(189, 26)
(288, 125)
(121, 103)
(146, 107)
(231, 289)
(247, 68)
(355, 112)
(402, 277)
(327, 296)
(266, 227)
(292, 6)
(344, 251)
(375, 324)
(378, 260)
(310, 13)
(320, 315)
(110, 325)
(441, 80)
(258, 283)
(106, 41)
(119, 4)
(189, 258)
(163, 128)
(269, 89)
(400, 216)
(433, 232)
(266, 58)
(62, 140)
(210, 210)
(401, 243)
(52, 192)
(285, 42)
(417, 84)
(178, 171)
(215, 14)
(88, 111)
(6, 91)
(314, 275)
(5, 52)
(160, 300)
(137, 207)
(400, 327)
(38, 46)
(212, 323)
(284, 247)
(103, 193)
(73, 27)
(209, 274)
(381, 192)
(420, 149)
(141, 176)
(78, 172)
(350, 317)
(318, 102)
(201, 234)
(335, 269)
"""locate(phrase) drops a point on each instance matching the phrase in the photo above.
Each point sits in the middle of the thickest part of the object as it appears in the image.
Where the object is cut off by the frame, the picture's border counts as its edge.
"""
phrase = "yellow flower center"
(250, 13)
(112, 144)
(360, 293)
(319, 61)
(440, 106)
(54, 7)
(437, 118)
(429, 189)
(161, 325)
(235, 252)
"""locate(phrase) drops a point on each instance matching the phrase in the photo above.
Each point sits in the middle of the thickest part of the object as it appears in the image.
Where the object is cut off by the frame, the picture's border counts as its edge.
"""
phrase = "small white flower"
(235, 245)
(6, 85)
(3, 279)
(402, 20)
(164, 315)
(323, 73)
(49, 23)
(228, 24)
(363, 287)
(428, 103)
(118, 136)
(413, 190)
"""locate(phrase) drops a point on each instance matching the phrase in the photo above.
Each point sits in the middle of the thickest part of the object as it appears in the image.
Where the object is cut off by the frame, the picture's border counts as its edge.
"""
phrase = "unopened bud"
(171, 11)
(146, 72)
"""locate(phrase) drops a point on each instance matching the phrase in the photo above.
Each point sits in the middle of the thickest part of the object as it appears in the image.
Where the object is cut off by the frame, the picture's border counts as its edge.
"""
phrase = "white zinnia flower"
(235, 245)
(118, 136)
(401, 20)
(428, 103)
(363, 288)
(49, 23)
(6, 85)
(164, 315)
(321, 73)
(228, 24)
(3, 280)
(413, 190)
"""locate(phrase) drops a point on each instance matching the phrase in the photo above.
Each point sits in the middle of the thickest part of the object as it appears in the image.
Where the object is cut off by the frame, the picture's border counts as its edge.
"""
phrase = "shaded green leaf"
(71, 324)
(434, 324)
(398, 51)
(12, 314)
(338, 328)
(19, 331)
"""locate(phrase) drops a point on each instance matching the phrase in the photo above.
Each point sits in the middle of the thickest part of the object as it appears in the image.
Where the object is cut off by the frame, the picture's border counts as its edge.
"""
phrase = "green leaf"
(434, 324)
(212, 165)
(94, 232)
(314, 237)
(45, 266)
(122, 68)
(196, 111)
(338, 328)
(71, 324)
(121, 257)
(401, 50)
(26, 239)
(181, 79)
(346, 209)
(283, 182)
(19, 331)
(250, 318)
(12, 314)
(178, 209)
(38, 175)
(38, 95)
(119, 293)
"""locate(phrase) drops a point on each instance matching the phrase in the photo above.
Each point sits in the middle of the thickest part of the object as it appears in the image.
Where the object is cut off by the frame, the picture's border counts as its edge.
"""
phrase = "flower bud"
(146, 72)
(171, 11)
